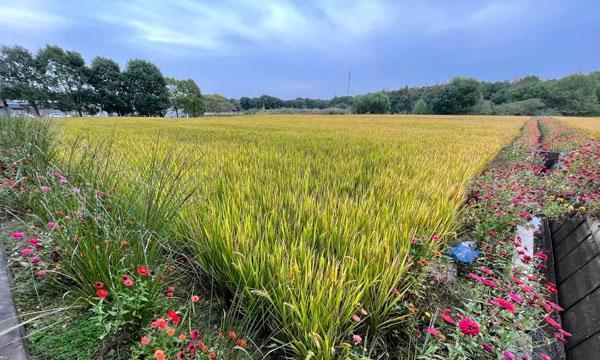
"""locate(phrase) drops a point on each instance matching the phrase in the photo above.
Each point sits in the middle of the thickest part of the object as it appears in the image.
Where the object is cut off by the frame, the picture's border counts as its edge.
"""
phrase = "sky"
(306, 48)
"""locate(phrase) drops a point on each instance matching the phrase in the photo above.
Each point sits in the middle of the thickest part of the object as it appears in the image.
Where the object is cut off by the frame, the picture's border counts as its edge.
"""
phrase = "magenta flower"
(17, 235)
(515, 297)
(26, 251)
(35, 260)
(34, 241)
(45, 188)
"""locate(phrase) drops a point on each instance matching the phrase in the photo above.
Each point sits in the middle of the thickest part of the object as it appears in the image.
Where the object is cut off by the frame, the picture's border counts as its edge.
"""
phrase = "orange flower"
(159, 355)
(242, 343)
(159, 323)
(182, 337)
(170, 332)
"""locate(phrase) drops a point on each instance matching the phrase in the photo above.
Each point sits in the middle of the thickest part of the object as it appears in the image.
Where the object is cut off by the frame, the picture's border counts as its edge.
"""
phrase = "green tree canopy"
(420, 107)
(186, 95)
(373, 103)
(109, 86)
(146, 88)
(457, 97)
(20, 78)
(65, 78)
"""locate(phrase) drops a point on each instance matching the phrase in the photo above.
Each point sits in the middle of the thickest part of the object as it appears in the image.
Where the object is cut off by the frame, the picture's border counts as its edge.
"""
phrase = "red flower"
(159, 323)
(242, 343)
(504, 304)
(173, 316)
(232, 335)
(102, 293)
(143, 270)
(468, 326)
(447, 318)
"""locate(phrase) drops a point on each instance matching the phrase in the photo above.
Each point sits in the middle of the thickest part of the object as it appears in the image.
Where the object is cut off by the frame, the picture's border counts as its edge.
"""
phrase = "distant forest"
(58, 78)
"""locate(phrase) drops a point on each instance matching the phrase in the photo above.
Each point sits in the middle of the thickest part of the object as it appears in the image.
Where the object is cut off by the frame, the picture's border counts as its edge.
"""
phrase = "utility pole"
(349, 74)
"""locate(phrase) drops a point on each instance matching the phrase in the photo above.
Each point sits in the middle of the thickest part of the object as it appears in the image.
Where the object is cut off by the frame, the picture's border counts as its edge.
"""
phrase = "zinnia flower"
(507, 355)
(159, 355)
(447, 318)
(487, 347)
(195, 298)
(433, 331)
(357, 339)
(553, 322)
(35, 259)
(143, 270)
(17, 235)
(99, 285)
(515, 297)
(468, 326)
(145, 340)
(194, 334)
(507, 305)
(44, 188)
(242, 343)
(102, 293)
(127, 281)
(25, 251)
(34, 241)
(173, 316)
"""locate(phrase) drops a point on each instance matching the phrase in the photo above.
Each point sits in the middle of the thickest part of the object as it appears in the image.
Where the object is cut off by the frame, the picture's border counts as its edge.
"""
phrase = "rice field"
(309, 219)
(588, 124)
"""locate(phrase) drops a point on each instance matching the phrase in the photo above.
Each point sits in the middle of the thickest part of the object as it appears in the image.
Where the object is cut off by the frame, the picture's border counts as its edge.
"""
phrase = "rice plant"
(308, 220)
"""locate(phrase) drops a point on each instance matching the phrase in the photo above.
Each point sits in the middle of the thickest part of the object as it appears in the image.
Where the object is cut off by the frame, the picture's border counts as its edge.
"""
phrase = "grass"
(588, 124)
(308, 219)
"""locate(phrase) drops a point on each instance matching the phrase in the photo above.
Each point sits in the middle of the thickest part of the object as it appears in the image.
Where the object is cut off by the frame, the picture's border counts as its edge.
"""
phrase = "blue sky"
(305, 48)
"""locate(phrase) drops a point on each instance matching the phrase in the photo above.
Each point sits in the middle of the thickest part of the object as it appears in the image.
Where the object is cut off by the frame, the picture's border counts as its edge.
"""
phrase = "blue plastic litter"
(463, 253)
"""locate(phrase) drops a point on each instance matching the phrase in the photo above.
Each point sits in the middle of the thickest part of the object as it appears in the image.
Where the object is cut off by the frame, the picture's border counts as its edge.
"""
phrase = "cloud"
(232, 26)
(26, 17)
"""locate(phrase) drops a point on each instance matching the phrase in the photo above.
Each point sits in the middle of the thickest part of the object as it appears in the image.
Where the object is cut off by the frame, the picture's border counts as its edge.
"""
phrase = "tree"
(109, 87)
(192, 100)
(573, 95)
(399, 102)
(146, 88)
(373, 103)
(216, 103)
(420, 107)
(65, 78)
(20, 78)
(457, 97)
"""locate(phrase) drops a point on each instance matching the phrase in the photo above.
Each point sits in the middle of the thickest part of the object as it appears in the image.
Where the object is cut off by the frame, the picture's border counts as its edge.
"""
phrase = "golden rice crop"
(588, 124)
(310, 218)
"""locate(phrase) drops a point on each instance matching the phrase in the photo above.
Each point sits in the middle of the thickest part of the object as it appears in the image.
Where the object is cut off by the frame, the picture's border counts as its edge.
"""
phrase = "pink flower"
(357, 339)
(195, 334)
(499, 302)
(487, 347)
(145, 340)
(63, 181)
(35, 260)
(507, 355)
(553, 322)
(486, 270)
(44, 188)
(545, 356)
(515, 297)
(127, 281)
(34, 241)
(468, 326)
(41, 273)
(51, 224)
(17, 235)
(355, 318)
(26, 251)
(433, 331)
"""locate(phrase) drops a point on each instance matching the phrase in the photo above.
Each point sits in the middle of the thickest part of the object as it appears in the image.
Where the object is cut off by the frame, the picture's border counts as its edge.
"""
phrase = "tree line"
(576, 95)
(58, 78)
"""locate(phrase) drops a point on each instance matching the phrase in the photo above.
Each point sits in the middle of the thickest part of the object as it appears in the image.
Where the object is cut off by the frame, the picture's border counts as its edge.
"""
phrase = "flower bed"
(498, 303)
(88, 259)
